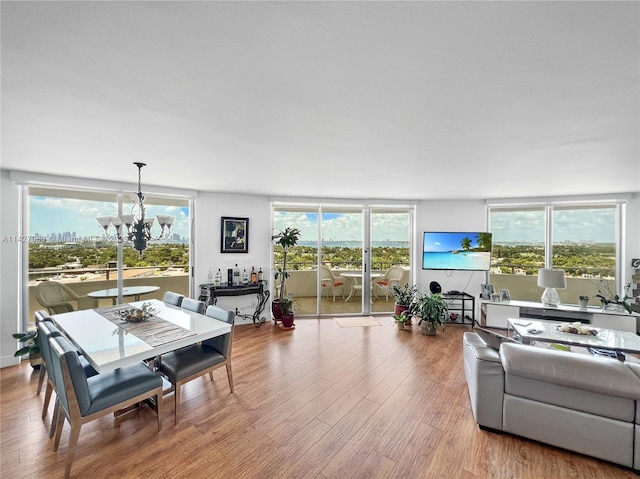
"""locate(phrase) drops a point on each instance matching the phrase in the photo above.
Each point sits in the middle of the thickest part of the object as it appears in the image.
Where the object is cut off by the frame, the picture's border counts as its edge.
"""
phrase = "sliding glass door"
(348, 257)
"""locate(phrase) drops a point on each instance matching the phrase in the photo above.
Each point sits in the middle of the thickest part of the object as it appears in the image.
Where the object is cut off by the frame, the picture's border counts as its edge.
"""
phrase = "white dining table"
(108, 346)
(355, 279)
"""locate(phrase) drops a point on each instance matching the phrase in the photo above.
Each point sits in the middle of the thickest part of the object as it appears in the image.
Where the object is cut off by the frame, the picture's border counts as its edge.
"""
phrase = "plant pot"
(400, 308)
(584, 304)
(400, 325)
(276, 310)
(287, 320)
(428, 329)
(35, 360)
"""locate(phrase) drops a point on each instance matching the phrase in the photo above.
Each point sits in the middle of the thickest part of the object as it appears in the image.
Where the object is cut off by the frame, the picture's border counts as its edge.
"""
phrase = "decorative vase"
(613, 308)
(276, 310)
(584, 304)
(399, 309)
(287, 320)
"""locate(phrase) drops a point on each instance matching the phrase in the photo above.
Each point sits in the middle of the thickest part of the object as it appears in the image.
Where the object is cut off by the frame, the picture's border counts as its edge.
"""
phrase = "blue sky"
(440, 242)
(58, 215)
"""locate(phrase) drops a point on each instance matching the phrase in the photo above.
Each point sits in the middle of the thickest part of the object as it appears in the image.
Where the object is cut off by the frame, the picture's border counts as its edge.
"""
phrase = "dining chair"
(194, 305)
(41, 315)
(46, 330)
(183, 365)
(59, 298)
(330, 281)
(385, 283)
(173, 298)
(82, 399)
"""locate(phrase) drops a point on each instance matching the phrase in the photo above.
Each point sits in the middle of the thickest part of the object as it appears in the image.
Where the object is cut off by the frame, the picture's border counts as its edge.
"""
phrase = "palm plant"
(285, 239)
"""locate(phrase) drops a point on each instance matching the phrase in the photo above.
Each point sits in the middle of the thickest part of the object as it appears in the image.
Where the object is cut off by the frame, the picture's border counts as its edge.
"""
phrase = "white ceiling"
(415, 100)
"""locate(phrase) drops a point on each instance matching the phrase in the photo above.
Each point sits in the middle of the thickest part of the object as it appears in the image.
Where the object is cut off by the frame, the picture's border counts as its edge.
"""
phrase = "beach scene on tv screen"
(457, 250)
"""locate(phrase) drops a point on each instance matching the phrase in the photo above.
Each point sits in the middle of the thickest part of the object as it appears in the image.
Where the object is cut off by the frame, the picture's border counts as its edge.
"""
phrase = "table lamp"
(550, 279)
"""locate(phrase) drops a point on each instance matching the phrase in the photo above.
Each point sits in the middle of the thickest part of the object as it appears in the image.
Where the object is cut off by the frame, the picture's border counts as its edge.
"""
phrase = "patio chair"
(385, 283)
(82, 399)
(173, 298)
(330, 281)
(194, 305)
(58, 298)
(185, 364)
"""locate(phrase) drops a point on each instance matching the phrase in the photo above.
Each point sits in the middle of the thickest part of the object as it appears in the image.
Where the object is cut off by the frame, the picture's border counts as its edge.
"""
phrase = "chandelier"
(138, 226)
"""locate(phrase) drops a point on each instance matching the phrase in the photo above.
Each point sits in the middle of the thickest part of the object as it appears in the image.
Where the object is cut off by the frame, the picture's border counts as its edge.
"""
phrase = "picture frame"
(495, 297)
(505, 296)
(234, 234)
(486, 290)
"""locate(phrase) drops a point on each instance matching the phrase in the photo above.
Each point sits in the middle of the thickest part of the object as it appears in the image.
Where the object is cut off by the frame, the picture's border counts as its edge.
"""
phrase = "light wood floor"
(316, 402)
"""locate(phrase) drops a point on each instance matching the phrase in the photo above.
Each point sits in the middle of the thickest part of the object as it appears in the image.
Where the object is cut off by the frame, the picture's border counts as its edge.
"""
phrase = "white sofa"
(585, 404)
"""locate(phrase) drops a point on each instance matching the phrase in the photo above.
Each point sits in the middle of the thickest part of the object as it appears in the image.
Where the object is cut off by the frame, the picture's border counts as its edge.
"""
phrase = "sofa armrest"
(485, 380)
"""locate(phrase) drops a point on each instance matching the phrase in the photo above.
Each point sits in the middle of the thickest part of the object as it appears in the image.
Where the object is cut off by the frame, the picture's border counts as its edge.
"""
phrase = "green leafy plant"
(32, 346)
(430, 308)
(404, 295)
(285, 239)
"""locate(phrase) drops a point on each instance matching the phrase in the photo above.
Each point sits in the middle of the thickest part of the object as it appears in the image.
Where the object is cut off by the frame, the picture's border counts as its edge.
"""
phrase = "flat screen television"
(466, 251)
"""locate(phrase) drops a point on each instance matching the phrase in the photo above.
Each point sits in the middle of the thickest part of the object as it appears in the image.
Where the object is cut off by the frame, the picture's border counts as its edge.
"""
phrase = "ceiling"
(407, 100)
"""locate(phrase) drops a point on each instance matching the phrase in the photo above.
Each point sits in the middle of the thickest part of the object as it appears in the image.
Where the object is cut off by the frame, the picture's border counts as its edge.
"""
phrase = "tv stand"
(465, 304)
(495, 315)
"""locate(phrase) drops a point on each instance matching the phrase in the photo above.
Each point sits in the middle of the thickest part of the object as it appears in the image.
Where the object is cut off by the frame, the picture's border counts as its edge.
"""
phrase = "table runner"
(154, 331)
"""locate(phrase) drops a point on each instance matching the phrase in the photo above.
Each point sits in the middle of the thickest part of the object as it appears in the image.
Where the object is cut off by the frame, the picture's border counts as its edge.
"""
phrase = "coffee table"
(546, 331)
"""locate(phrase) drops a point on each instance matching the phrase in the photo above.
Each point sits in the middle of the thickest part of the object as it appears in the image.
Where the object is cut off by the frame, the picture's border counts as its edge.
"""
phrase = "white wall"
(210, 207)
(449, 216)
(9, 268)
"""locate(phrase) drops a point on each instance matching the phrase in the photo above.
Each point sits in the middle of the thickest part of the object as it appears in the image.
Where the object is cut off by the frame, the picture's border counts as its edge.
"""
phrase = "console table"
(496, 315)
(209, 293)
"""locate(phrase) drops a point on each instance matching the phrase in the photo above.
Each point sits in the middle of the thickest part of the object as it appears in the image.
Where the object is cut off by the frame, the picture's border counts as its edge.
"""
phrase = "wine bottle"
(254, 275)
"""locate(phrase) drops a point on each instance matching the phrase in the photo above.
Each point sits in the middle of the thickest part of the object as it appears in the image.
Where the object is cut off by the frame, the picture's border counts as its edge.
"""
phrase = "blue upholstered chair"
(82, 399)
(46, 330)
(194, 305)
(173, 298)
(183, 365)
(41, 315)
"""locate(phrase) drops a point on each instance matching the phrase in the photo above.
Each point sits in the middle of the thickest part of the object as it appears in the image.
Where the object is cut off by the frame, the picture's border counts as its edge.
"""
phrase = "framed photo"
(495, 297)
(504, 295)
(486, 290)
(234, 235)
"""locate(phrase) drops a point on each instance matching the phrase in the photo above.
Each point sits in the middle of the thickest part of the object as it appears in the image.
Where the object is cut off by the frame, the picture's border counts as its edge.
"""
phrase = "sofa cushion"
(605, 376)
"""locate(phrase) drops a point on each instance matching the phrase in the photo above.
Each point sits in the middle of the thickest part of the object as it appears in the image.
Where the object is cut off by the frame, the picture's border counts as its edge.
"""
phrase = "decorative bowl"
(135, 315)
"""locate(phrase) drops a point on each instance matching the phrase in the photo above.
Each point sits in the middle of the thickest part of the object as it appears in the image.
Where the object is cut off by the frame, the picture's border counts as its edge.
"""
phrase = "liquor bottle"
(260, 275)
(245, 276)
(236, 275)
(254, 275)
(210, 277)
(218, 278)
(229, 276)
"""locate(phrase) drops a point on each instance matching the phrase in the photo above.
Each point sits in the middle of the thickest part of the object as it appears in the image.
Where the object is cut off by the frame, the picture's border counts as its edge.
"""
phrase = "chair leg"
(159, 410)
(211, 375)
(230, 376)
(43, 372)
(176, 399)
(54, 419)
(59, 426)
(47, 398)
(71, 450)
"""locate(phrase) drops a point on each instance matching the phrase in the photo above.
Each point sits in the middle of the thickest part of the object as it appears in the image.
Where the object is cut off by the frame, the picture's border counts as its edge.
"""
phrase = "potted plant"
(286, 309)
(431, 308)
(403, 296)
(613, 301)
(285, 239)
(402, 319)
(584, 302)
(31, 347)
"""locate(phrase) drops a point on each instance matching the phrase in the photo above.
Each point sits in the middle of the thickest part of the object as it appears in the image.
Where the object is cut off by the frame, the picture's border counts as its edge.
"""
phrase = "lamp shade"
(552, 278)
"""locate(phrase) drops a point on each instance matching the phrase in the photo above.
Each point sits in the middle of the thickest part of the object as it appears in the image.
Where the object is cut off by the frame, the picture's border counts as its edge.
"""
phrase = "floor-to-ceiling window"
(346, 257)
(580, 238)
(68, 254)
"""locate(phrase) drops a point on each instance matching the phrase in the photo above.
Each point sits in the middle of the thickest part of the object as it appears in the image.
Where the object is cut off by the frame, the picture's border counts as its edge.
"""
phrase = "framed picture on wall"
(486, 290)
(234, 235)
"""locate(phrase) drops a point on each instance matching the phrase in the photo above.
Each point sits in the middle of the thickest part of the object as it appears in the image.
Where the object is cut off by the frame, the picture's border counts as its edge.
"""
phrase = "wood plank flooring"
(318, 402)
